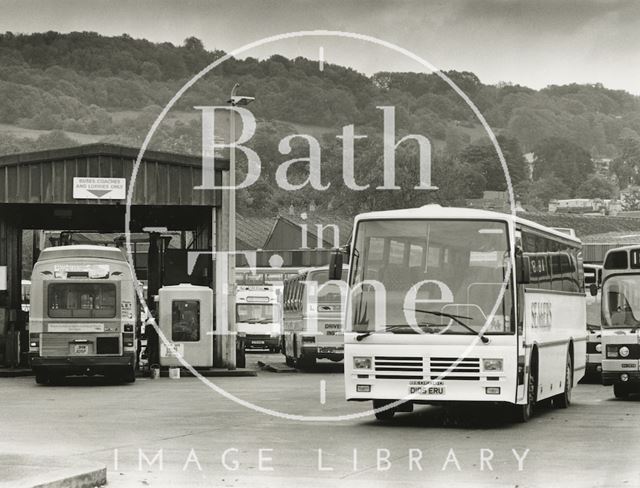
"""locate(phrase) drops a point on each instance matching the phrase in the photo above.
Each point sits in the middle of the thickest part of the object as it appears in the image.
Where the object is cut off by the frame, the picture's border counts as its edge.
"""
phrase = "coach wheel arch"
(572, 356)
(533, 370)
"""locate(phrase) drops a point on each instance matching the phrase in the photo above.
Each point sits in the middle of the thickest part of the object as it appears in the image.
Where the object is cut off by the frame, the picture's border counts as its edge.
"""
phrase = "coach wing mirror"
(335, 265)
(523, 269)
(593, 289)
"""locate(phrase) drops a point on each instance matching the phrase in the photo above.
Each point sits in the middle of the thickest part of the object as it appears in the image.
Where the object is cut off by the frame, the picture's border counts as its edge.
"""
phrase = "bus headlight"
(624, 351)
(598, 347)
(361, 362)
(492, 364)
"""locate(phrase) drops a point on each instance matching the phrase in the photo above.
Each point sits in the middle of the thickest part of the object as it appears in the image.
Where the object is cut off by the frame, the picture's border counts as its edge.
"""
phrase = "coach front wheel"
(523, 413)
(383, 414)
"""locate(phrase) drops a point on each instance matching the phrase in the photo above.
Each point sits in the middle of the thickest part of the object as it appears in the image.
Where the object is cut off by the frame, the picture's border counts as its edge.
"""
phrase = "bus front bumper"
(82, 364)
(334, 352)
(612, 377)
(614, 370)
(594, 364)
(255, 341)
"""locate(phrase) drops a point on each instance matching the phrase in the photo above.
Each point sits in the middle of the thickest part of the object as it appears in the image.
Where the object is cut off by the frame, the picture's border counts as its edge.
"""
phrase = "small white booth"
(186, 320)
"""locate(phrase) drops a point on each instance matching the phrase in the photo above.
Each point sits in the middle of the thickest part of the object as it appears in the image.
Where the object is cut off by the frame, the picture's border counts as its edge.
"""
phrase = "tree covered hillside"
(113, 87)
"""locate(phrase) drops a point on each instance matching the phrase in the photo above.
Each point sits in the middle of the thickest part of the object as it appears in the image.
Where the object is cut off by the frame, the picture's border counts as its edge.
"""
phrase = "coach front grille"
(449, 368)
(400, 367)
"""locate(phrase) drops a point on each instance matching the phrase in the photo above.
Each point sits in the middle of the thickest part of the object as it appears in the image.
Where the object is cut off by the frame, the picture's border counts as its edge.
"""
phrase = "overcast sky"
(530, 42)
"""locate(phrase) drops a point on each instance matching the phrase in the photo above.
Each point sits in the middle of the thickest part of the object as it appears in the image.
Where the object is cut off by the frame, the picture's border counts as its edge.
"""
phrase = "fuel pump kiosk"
(186, 320)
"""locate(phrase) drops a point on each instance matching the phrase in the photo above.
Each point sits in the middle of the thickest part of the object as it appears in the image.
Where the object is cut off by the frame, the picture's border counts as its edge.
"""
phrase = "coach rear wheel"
(563, 400)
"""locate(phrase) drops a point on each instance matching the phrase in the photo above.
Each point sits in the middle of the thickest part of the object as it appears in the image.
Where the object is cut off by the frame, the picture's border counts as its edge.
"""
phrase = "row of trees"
(61, 81)
(84, 82)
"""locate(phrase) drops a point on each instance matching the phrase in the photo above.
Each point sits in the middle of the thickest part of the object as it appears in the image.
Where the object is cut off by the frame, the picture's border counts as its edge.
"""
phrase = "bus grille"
(390, 367)
(465, 369)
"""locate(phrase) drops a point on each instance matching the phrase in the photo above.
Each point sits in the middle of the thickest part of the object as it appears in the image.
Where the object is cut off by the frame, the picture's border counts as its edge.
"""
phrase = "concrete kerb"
(24, 471)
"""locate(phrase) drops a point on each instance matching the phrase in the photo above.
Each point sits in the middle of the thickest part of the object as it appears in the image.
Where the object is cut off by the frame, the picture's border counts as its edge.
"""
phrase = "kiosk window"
(185, 321)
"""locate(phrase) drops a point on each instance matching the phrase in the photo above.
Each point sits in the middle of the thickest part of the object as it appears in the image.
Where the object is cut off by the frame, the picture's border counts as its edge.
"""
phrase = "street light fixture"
(234, 101)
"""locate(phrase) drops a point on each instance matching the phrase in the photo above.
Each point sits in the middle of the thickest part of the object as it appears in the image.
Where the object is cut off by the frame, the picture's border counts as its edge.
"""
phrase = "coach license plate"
(257, 342)
(81, 349)
(426, 388)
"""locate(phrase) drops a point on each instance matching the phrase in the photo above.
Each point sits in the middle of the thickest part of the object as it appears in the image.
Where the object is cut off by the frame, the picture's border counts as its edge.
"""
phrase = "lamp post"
(234, 101)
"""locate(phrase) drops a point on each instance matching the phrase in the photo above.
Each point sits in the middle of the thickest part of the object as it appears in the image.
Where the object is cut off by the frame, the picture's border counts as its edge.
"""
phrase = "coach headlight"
(492, 364)
(624, 351)
(361, 362)
(598, 347)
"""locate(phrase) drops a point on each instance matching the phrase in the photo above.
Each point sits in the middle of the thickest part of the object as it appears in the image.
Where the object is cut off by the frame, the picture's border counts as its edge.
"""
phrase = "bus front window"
(621, 301)
(254, 313)
(328, 291)
(431, 270)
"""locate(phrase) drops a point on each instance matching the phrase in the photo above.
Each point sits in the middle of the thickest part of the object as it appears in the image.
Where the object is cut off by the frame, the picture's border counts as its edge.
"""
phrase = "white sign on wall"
(100, 188)
(3, 278)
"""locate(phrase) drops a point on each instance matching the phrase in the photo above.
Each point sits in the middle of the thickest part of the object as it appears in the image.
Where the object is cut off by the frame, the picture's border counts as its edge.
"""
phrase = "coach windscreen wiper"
(456, 318)
(400, 329)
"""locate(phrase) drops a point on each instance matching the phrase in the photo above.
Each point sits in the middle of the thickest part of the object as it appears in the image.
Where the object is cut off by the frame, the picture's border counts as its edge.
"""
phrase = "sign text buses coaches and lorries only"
(100, 188)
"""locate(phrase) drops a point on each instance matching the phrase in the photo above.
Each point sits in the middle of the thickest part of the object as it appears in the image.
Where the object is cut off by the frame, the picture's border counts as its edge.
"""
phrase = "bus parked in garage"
(436, 315)
(621, 320)
(313, 318)
(259, 316)
(592, 281)
(83, 318)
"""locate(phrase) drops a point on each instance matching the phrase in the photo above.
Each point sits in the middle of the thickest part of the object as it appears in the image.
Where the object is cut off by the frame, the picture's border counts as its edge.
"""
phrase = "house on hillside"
(497, 201)
(630, 198)
(601, 166)
(594, 206)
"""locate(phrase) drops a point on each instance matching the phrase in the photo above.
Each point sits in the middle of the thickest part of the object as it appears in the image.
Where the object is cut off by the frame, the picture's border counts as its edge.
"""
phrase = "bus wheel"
(620, 390)
(130, 375)
(42, 378)
(383, 414)
(524, 412)
(563, 400)
(306, 362)
(241, 358)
